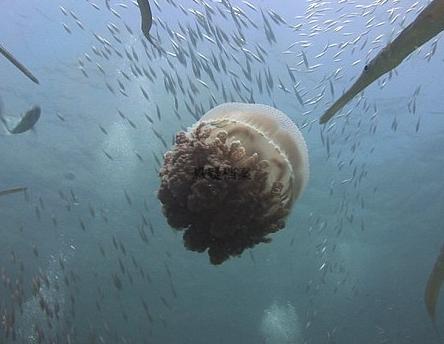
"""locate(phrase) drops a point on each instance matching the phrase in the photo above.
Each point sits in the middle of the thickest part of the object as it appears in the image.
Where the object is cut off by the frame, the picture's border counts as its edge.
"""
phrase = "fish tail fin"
(438, 333)
(155, 44)
(5, 124)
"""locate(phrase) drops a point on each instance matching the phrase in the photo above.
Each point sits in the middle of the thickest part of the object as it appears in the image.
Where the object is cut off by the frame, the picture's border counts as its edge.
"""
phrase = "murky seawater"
(87, 255)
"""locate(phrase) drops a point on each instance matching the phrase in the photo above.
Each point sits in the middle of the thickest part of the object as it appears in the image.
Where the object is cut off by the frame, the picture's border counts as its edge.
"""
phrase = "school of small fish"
(210, 52)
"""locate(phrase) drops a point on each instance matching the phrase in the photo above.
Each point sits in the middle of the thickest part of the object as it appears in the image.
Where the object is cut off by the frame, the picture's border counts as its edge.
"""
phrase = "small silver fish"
(11, 191)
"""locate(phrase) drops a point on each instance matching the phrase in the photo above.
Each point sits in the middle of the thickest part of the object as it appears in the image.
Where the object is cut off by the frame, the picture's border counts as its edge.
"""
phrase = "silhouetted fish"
(434, 284)
(16, 63)
(147, 17)
(427, 25)
(27, 122)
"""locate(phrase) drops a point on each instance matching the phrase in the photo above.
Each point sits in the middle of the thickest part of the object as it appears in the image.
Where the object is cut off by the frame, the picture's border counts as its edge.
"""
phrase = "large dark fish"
(16, 63)
(427, 25)
(11, 191)
(147, 17)
(147, 22)
(434, 284)
(27, 122)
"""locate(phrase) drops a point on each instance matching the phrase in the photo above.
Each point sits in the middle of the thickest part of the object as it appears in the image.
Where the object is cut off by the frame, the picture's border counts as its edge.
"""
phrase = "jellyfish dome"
(231, 179)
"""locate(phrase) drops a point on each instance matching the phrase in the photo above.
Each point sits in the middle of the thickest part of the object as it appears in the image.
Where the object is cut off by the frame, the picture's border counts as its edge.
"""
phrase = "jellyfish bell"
(232, 178)
(272, 135)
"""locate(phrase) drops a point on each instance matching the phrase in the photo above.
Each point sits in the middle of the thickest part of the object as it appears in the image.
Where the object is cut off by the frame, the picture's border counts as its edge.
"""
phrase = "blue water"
(378, 238)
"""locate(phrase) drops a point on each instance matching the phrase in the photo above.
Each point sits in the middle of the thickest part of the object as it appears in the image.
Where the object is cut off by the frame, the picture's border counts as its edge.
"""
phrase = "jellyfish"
(231, 179)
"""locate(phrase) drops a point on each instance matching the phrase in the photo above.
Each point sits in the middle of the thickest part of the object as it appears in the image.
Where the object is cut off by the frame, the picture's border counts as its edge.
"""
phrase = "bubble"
(280, 325)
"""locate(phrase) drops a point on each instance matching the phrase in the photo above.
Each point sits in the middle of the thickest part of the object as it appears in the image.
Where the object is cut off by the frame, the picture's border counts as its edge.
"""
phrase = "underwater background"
(89, 235)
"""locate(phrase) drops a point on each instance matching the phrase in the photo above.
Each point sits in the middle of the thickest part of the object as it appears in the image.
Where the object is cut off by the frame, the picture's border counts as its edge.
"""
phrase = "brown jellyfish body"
(232, 178)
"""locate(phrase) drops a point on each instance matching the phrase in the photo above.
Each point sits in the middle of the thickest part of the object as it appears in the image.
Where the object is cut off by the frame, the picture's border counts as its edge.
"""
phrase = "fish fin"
(433, 287)
(438, 333)
(5, 125)
(156, 44)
